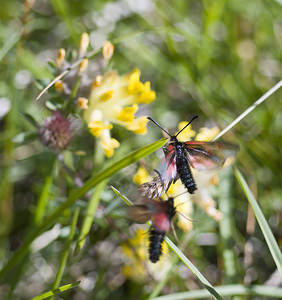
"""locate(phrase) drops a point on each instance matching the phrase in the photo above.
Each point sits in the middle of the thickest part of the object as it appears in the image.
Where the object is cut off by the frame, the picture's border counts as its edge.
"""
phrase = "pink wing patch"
(161, 222)
(168, 168)
(208, 155)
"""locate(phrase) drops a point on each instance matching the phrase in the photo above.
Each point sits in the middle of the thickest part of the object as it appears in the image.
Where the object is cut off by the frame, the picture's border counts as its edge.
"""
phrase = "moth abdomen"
(155, 246)
(184, 171)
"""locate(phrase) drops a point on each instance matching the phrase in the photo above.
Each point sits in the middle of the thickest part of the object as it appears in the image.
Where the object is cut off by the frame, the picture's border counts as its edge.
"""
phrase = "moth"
(179, 156)
(161, 213)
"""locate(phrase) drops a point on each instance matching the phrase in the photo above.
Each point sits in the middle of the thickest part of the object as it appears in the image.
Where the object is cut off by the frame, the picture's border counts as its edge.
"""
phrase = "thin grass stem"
(249, 109)
(228, 290)
(66, 252)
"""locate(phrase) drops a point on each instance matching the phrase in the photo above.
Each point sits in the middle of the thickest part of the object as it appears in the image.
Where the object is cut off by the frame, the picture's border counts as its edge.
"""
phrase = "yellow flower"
(115, 99)
(141, 176)
(187, 133)
(207, 134)
(183, 204)
(137, 263)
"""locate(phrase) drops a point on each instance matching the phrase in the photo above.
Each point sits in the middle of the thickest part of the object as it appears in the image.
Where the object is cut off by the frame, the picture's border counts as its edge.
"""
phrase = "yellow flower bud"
(82, 66)
(108, 50)
(84, 42)
(61, 57)
(59, 86)
(82, 102)
(97, 82)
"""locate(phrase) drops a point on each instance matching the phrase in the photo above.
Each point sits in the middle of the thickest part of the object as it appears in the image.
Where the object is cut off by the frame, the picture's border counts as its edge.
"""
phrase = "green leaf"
(25, 137)
(227, 290)
(59, 290)
(268, 235)
(181, 255)
(92, 182)
(54, 104)
(30, 119)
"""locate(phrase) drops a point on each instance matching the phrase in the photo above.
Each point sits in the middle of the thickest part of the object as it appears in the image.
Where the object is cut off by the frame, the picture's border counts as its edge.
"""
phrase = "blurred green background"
(211, 58)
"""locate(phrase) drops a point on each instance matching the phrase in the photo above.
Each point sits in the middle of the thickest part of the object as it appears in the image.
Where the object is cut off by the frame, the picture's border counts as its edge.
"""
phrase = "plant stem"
(66, 251)
(226, 225)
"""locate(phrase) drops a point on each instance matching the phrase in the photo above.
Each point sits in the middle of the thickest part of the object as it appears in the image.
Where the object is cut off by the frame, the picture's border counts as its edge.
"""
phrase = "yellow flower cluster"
(205, 134)
(114, 99)
(183, 204)
(137, 266)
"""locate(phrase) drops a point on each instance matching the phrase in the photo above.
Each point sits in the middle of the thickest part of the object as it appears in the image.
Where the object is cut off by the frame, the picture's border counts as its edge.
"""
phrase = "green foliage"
(210, 58)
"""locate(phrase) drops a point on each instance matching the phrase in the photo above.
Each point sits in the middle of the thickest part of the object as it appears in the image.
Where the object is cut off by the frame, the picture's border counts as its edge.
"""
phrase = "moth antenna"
(195, 117)
(156, 123)
(174, 232)
(186, 217)
(180, 194)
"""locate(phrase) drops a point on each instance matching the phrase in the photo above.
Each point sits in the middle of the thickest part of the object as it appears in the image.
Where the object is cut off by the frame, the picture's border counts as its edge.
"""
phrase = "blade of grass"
(228, 290)
(44, 196)
(267, 233)
(92, 182)
(159, 287)
(227, 226)
(89, 216)
(250, 108)
(59, 290)
(66, 251)
(10, 43)
(180, 255)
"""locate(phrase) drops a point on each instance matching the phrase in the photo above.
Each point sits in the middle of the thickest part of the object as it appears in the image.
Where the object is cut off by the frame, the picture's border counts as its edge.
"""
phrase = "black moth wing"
(140, 213)
(208, 155)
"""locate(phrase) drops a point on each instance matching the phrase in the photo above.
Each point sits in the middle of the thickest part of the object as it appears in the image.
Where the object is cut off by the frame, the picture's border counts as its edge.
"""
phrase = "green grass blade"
(66, 251)
(59, 290)
(227, 290)
(227, 226)
(44, 196)
(90, 211)
(181, 255)
(268, 235)
(92, 182)
(10, 43)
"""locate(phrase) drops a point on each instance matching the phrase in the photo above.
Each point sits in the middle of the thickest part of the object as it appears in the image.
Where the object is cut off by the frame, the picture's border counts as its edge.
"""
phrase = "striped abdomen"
(183, 169)
(155, 247)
